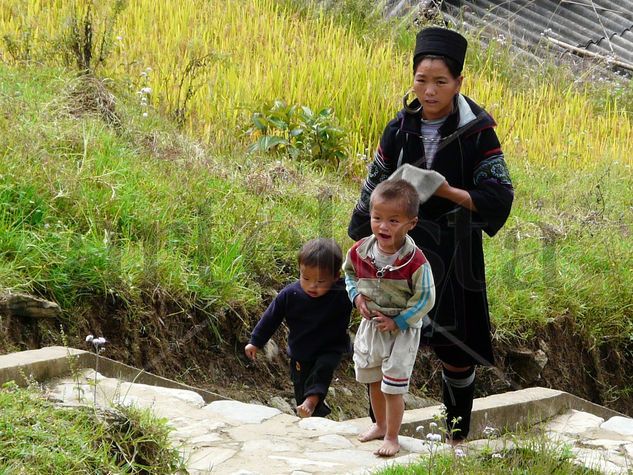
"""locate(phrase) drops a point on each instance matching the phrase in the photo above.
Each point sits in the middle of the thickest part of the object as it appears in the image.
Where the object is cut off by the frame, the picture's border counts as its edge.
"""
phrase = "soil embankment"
(184, 345)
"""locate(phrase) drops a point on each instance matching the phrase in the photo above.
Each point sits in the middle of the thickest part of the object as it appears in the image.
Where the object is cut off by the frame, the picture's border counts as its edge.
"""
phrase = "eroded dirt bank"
(184, 345)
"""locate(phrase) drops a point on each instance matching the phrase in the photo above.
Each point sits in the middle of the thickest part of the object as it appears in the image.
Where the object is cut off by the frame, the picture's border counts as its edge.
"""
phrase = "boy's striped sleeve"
(423, 299)
(350, 277)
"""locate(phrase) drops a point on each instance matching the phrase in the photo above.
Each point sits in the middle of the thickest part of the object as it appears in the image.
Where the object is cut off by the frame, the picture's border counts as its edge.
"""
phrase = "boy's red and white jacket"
(404, 290)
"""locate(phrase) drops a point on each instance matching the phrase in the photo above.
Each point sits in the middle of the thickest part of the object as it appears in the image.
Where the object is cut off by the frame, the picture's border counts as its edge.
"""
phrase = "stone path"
(603, 445)
(230, 437)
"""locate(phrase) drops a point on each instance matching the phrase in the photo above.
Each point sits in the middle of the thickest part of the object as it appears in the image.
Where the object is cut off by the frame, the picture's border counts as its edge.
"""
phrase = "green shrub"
(299, 133)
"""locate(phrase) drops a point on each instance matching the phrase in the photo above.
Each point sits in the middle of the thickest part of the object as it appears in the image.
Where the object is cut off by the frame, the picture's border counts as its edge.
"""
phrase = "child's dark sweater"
(316, 325)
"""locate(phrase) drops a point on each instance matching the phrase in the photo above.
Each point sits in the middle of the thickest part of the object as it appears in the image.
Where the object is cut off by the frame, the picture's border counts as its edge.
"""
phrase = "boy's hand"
(361, 304)
(250, 350)
(384, 323)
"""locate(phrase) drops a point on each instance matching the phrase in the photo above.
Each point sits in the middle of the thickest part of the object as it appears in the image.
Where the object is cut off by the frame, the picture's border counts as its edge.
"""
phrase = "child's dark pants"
(314, 377)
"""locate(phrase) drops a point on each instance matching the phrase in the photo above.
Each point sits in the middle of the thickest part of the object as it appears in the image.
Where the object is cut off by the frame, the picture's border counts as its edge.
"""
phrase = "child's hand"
(361, 304)
(384, 323)
(250, 350)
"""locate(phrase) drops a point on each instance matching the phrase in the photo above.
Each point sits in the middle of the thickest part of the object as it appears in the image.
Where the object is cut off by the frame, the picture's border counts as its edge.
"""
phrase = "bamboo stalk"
(584, 52)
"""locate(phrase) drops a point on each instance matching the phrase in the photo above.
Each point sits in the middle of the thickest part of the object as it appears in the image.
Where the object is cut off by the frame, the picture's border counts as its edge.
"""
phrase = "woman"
(444, 131)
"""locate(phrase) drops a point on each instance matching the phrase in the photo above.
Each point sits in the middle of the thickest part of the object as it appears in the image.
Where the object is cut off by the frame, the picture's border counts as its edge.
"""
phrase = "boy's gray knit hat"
(424, 181)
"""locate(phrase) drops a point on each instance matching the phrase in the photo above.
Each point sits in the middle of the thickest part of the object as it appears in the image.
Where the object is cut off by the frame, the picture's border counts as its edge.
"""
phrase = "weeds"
(513, 454)
(186, 84)
(39, 438)
(88, 38)
(98, 345)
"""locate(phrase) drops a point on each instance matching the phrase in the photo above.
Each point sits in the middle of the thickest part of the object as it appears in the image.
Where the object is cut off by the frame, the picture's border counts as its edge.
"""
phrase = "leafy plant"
(299, 132)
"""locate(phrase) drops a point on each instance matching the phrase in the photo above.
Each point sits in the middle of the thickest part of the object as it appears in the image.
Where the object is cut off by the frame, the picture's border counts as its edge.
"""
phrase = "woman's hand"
(361, 304)
(456, 195)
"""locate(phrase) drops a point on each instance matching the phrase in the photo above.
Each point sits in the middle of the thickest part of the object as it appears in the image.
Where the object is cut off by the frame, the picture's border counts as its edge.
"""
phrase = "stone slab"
(506, 411)
(241, 412)
(619, 425)
(41, 365)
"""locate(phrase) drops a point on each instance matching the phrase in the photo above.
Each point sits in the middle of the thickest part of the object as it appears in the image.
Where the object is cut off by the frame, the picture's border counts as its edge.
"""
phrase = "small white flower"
(145, 114)
(497, 456)
(433, 425)
(119, 38)
(143, 74)
(148, 69)
(434, 437)
(459, 453)
(419, 429)
(489, 431)
(146, 90)
(89, 338)
(99, 341)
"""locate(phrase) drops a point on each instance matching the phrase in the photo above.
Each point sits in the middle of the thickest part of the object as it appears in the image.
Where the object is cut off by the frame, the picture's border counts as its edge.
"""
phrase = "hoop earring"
(407, 107)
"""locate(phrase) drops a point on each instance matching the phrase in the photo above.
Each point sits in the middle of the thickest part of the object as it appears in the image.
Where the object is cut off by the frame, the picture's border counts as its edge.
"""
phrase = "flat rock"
(335, 440)
(411, 444)
(298, 463)
(205, 440)
(620, 425)
(269, 445)
(280, 403)
(326, 425)
(606, 444)
(208, 457)
(344, 456)
(597, 460)
(574, 422)
(241, 412)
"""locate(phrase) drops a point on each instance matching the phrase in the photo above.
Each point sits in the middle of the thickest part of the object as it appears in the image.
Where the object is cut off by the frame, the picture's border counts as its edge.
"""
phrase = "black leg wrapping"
(458, 391)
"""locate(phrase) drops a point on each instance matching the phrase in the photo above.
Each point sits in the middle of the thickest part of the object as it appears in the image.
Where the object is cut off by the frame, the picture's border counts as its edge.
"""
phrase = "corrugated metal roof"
(599, 27)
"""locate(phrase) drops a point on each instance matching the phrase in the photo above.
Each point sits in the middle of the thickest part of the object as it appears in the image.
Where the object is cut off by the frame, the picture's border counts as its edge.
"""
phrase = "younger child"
(316, 310)
(390, 282)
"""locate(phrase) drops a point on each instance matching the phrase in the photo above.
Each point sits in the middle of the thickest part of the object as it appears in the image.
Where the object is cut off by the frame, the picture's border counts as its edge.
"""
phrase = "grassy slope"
(104, 213)
(37, 437)
(109, 213)
(89, 213)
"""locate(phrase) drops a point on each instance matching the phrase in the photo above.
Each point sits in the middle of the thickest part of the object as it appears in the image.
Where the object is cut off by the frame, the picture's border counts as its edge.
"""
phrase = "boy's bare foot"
(388, 449)
(372, 433)
(306, 408)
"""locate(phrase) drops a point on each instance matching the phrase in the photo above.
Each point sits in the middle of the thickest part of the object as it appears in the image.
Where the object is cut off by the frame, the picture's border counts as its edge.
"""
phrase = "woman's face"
(435, 88)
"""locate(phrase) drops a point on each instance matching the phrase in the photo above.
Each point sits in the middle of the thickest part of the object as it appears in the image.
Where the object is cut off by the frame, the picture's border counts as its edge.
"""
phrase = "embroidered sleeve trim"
(492, 168)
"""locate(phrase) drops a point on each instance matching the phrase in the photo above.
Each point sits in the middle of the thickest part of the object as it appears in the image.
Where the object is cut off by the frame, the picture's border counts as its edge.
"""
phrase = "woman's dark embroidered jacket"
(469, 157)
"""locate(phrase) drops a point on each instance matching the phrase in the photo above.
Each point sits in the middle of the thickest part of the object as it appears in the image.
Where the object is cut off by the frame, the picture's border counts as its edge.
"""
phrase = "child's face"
(316, 281)
(390, 224)
(435, 88)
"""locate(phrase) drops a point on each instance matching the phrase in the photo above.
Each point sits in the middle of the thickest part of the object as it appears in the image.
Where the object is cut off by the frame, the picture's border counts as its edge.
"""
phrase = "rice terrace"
(163, 163)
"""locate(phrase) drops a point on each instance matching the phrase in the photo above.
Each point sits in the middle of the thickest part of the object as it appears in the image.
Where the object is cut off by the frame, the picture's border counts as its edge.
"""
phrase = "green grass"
(36, 437)
(520, 455)
(113, 214)
(566, 250)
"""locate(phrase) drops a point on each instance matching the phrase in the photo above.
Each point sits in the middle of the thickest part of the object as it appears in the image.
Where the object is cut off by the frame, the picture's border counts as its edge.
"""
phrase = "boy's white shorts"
(385, 356)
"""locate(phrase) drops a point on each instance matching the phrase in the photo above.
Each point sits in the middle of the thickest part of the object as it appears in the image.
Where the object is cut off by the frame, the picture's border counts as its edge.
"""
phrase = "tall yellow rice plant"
(256, 51)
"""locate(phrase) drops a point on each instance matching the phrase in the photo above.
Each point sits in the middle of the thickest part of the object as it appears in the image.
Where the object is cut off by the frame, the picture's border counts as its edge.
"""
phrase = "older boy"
(317, 311)
(390, 282)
